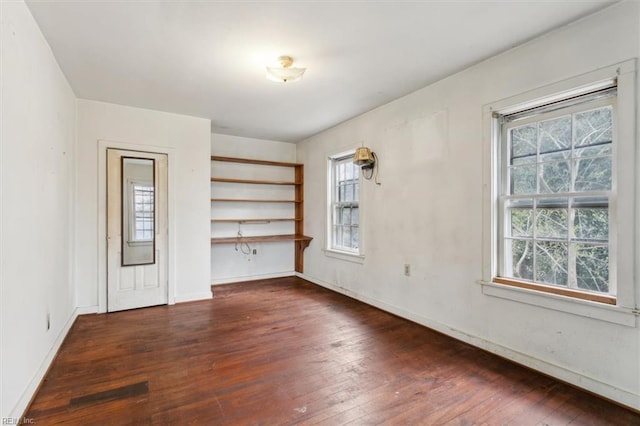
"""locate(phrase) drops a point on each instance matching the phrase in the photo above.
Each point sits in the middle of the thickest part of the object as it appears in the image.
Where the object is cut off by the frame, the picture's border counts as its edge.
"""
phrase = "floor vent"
(123, 392)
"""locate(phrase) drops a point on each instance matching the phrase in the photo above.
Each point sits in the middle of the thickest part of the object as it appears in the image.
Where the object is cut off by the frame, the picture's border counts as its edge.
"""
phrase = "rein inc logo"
(18, 421)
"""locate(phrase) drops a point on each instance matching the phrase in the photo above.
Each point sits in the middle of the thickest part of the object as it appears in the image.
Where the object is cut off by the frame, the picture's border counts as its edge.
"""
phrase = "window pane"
(354, 238)
(521, 259)
(523, 144)
(555, 156)
(593, 126)
(337, 215)
(355, 219)
(591, 223)
(337, 235)
(346, 237)
(521, 222)
(592, 267)
(593, 174)
(523, 180)
(353, 171)
(349, 192)
(551, 223)
(342, 193)
(551, 262)
(593, 151)
(346, 216)
(555, 135)
(555, 177)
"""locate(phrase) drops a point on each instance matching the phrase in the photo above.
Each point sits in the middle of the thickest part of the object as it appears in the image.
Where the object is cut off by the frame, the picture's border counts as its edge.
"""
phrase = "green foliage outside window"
(557, 214)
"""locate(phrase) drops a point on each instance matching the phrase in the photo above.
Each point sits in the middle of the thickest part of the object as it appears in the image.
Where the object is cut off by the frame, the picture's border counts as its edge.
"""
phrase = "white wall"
(38, 123)
(188, 141)
(272, 259)
(428, 211)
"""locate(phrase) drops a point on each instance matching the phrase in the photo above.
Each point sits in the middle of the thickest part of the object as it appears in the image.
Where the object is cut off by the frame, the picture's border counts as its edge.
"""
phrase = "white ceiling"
(207, 58)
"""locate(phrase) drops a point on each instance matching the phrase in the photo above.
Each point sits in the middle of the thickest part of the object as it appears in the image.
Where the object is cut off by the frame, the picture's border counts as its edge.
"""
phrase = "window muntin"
(556, 195)
(345, 208)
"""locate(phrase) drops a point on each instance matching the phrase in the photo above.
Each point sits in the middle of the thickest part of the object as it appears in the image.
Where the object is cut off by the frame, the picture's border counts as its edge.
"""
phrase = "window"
(562, 230)
(344, 204)
(143, 210)
(555, 197)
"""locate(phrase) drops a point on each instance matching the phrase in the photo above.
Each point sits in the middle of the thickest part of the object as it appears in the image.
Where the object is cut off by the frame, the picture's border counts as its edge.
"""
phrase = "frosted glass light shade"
(285, 75)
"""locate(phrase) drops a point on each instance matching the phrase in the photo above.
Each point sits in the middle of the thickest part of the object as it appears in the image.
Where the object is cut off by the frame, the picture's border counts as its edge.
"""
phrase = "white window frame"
(625, 190)
(332, 250)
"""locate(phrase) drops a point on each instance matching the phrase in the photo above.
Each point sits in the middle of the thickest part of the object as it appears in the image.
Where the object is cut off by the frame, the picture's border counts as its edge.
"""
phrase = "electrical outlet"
(255, 251)
(407, 270)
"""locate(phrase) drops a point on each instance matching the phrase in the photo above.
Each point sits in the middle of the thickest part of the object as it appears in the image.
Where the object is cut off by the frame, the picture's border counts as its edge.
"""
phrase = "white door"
(136, 229)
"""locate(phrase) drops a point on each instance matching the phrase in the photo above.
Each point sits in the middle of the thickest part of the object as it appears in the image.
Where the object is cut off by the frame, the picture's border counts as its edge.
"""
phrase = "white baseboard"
(589, 384)
(192, 297)
(23, 403)
(253, 277)
(84, 310)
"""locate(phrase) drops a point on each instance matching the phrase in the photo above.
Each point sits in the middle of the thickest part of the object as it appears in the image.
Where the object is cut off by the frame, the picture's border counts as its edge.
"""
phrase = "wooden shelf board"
(249, 200)
(261, 239)
(280, 219)
(252, 161)
(252, 181)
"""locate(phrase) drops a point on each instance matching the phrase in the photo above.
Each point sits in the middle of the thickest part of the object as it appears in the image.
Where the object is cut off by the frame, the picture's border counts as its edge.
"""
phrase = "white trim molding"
(585, 308)
(193, 297)
(25, 399)
(221, 281)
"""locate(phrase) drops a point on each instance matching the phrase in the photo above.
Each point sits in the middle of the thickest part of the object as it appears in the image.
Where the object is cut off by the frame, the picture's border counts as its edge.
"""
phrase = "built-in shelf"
(300, 240)
(280, 219)
(253, 161)
(249, 200)
(261, 239)
(253, 181)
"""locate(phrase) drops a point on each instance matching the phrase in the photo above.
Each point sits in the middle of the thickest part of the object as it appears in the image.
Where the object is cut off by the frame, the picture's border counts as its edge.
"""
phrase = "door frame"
(103, 145)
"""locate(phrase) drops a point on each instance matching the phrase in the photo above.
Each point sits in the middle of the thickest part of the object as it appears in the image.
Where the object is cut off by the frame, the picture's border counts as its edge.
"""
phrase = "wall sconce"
(367, 160)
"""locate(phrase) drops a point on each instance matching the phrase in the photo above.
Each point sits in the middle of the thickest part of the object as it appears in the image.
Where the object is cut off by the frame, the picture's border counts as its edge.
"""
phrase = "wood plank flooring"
(287, 352)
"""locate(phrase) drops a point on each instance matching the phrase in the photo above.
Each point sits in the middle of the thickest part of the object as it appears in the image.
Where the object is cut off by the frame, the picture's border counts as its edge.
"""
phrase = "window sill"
(344, 255)
(585, 308)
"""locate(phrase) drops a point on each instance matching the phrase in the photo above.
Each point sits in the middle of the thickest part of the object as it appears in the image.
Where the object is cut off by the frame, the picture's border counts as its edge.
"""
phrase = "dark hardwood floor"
(283, 352)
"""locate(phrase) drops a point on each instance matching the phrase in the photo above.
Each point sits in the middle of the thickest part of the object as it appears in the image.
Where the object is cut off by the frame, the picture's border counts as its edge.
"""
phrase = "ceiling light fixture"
(285, 73)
